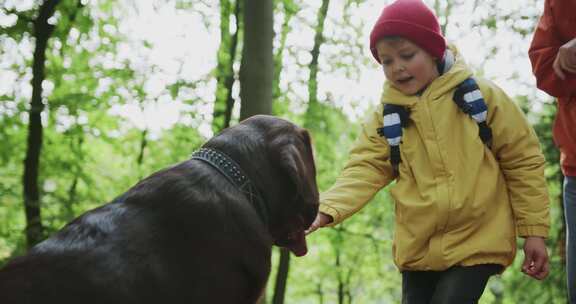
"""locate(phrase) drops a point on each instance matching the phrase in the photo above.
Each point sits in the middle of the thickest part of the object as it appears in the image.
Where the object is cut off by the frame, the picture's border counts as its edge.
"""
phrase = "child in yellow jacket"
(468, 167)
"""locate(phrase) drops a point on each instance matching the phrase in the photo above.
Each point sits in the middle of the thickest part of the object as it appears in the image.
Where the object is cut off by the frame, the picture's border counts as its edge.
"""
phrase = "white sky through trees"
(166, 44)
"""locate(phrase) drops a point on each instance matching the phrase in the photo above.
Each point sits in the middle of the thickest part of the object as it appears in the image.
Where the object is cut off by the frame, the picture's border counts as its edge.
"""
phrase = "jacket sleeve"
(542, 52)
(517, 149)
(367, 171)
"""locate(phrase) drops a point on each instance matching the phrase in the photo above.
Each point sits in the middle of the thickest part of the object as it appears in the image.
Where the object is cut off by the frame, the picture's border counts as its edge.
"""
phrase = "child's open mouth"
(404, 80)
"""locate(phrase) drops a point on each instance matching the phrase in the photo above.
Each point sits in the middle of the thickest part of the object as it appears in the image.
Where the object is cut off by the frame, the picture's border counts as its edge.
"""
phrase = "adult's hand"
(565, 59)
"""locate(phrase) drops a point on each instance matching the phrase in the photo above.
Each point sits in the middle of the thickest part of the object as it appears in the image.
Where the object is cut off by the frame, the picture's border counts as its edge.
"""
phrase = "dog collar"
(234, 174)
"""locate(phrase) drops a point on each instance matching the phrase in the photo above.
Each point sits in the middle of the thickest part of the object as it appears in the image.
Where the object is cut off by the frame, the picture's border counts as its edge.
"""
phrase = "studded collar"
(234, 174)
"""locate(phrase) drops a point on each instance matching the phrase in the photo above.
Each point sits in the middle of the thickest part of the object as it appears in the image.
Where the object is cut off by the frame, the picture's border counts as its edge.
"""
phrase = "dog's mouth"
(295, 240)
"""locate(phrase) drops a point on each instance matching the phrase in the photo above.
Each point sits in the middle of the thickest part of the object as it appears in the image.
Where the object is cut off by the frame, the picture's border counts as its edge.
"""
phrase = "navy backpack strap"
(395, 118)
(468, 98)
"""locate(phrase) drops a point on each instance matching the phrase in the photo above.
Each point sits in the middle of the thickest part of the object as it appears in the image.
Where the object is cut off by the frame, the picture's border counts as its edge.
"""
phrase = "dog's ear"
(297, 162)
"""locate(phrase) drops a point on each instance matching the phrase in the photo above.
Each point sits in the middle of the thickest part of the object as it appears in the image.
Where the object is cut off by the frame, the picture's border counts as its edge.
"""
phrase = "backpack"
(467, 97)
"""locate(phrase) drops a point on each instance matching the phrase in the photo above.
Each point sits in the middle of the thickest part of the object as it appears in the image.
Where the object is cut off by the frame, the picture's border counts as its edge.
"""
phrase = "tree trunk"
(337, 245)
(318, 40)
(311, 119)
(289, 11)
(224, 102)
(229, 83)
(256, 70)
(281, 276)
(42, 32)
(143, 144)
(72, 191)
(348, 281)
(257, 65)
(76, 148)
(221, 69)
(142, 151)
(320, 293)
(341, 285)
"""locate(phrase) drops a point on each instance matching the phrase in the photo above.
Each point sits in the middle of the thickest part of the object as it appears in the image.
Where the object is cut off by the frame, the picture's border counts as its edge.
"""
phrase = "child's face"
(408, 67)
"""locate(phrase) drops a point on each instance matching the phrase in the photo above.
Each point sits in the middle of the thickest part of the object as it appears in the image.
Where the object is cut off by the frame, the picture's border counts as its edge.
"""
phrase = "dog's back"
(151, 245)
(36, 279)
(73, 266)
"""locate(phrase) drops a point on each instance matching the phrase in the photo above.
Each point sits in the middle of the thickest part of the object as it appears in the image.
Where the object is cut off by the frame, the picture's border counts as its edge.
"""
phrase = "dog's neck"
(235, 175)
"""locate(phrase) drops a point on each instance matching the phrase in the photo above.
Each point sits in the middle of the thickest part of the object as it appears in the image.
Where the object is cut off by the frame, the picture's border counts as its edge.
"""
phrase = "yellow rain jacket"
(456, 201)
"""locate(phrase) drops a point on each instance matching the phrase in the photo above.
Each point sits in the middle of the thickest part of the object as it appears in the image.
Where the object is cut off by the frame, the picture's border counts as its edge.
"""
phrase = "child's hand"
(321, 220)
(535, 258)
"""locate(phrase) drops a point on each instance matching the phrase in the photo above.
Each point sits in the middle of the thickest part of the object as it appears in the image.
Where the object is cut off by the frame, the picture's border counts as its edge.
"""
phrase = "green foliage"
(22, 26)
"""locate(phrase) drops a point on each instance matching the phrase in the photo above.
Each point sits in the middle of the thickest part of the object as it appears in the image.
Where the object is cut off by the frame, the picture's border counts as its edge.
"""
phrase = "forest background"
(97, 94)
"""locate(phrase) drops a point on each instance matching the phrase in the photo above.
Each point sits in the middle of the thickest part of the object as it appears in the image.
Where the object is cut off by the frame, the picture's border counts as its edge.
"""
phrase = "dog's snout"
(310, 213)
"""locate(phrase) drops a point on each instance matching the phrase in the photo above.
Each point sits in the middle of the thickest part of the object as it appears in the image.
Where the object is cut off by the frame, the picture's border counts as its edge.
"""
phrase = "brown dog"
(198, 232)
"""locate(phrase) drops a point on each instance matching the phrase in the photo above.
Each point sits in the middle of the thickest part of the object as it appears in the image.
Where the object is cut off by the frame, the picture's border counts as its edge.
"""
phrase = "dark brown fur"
(183, 234)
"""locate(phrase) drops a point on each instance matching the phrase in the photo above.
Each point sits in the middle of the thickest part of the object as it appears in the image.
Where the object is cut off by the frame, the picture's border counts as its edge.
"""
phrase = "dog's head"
(290, 149)
(277, 156)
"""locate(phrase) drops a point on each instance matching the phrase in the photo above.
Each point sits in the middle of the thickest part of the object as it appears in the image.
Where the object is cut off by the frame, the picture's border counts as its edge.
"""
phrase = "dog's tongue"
(298, 245)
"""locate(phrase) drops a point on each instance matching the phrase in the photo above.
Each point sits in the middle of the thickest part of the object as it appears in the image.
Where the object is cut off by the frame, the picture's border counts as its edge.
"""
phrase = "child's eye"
(386, 62)
(407, 56)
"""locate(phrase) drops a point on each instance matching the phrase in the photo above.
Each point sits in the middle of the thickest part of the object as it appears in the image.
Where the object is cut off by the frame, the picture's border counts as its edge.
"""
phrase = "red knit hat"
(413, 20)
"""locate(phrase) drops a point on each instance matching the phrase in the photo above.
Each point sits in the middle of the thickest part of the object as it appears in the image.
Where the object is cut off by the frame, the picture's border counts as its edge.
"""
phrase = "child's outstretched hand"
(321, 220)
(535, 258)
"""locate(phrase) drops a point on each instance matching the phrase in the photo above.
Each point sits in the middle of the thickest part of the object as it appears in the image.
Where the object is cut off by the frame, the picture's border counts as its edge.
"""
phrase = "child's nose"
(399, 68)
